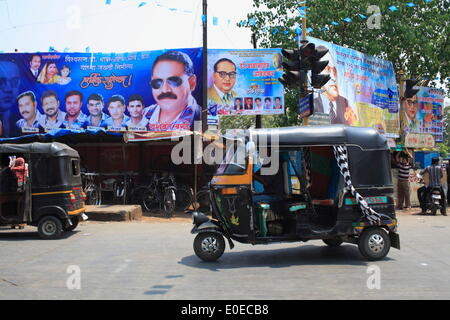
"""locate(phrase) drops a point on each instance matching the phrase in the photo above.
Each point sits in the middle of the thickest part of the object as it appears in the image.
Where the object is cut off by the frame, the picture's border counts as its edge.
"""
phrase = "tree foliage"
(415, 39)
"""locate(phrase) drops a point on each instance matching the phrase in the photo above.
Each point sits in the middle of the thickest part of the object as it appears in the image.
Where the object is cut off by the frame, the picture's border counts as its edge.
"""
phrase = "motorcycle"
(433, 199)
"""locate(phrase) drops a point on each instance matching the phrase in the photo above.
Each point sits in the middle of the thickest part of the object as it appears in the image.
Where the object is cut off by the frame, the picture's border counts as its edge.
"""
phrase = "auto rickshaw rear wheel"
(374, 243)
(334, 243)
(209, 246)
(50, 227)
(75, 221)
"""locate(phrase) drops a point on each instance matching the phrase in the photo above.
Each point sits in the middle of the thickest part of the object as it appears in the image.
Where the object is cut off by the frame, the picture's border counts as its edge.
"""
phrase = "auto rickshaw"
(332, 183)
(50, 194)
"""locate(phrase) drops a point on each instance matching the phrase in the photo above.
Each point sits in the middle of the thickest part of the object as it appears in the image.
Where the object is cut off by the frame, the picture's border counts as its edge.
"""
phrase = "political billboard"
(244, 82)
(424, 113)
(142, 91)
(362, 91)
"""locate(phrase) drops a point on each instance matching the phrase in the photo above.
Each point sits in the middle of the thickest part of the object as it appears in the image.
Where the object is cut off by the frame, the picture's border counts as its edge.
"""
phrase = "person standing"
(447, 167)
(403, 194)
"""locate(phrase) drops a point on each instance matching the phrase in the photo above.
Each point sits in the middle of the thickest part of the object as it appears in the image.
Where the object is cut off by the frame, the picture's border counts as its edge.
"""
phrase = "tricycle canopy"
(52, 149)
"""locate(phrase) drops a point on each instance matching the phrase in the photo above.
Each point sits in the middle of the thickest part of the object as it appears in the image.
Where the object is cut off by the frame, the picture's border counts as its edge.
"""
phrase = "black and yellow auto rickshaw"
(332, 183)
(49, 194)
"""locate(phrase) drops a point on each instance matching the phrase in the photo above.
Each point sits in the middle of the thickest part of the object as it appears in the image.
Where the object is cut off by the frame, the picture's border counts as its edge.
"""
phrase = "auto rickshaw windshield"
(235, 160)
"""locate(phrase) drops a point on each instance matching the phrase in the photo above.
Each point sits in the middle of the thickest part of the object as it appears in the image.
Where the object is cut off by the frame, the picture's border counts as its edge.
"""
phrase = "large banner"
(424, 112)
(244, 82)
(362, 91)
(137, 91)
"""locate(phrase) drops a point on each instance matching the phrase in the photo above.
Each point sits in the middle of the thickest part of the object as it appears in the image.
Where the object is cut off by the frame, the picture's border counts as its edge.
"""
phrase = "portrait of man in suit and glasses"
(224, 76)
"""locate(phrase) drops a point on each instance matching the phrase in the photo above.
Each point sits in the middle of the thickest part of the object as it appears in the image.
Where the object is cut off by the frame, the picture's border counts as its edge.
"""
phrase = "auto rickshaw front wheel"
(50, 227)
(209, 246)
(75, 221)
(374, 244)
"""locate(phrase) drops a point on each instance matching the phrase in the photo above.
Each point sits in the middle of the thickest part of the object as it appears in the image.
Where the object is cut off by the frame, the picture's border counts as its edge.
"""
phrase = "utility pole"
(402, 83)
(205, 67)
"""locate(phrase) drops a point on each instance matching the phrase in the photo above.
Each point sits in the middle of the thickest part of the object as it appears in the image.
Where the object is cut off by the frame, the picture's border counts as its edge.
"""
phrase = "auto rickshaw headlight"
(72, 198)
(229, 191)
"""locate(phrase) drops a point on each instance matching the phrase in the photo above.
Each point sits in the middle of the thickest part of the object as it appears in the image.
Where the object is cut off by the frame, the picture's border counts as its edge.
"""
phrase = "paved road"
(154, 260)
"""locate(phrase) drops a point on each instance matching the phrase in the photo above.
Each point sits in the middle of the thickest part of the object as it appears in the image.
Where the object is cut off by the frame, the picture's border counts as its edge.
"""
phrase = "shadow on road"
(21, 235)
(281, 258)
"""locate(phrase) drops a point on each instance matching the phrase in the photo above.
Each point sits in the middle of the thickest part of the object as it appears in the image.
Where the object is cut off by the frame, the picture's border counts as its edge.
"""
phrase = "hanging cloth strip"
(306, 167)
(340, 153)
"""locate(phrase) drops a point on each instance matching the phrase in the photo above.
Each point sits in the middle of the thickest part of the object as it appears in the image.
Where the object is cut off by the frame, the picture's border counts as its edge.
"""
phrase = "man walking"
(403, 194)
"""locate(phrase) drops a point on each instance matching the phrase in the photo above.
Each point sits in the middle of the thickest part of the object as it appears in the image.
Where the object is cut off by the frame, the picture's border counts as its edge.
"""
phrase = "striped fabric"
(403, 171)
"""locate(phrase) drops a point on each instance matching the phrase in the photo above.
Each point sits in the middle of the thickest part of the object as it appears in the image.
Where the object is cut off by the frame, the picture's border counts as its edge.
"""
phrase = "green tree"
(443, 150)
(446, 128)
(415, 39)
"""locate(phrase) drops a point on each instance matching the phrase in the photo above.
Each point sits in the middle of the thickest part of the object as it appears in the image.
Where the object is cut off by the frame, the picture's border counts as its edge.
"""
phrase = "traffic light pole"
(402, 84)
(304, 42)
(258, 120)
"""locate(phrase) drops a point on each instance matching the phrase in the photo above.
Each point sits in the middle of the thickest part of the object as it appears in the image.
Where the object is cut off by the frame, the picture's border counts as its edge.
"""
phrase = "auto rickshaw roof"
(53, 148)
(366, 138)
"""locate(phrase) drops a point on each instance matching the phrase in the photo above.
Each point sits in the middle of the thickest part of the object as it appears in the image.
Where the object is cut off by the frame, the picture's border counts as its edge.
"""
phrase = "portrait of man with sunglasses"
(410, 121)
(224, 76)
(173, 81)
(9, 89)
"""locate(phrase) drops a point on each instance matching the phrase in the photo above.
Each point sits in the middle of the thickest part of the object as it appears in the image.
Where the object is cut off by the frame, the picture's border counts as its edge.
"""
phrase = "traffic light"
(294, 75)
(310, 58)
(300, 62)
(409, 88)
(319, 80)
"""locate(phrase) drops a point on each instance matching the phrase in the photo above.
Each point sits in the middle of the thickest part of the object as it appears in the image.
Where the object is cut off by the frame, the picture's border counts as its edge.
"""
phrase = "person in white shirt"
(135, 109)
(116, 109)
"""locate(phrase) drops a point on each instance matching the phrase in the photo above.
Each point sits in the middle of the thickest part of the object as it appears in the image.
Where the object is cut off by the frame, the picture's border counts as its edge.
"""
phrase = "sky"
(121, 26)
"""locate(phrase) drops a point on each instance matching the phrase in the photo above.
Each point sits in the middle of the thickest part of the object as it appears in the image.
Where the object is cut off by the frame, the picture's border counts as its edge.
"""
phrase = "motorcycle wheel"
(169, 200)
(433, 209)
(183, 197)
(148, 199)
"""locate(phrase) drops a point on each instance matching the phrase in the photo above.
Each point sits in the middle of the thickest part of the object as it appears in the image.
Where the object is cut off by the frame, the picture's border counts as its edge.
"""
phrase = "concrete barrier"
(114, 212)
